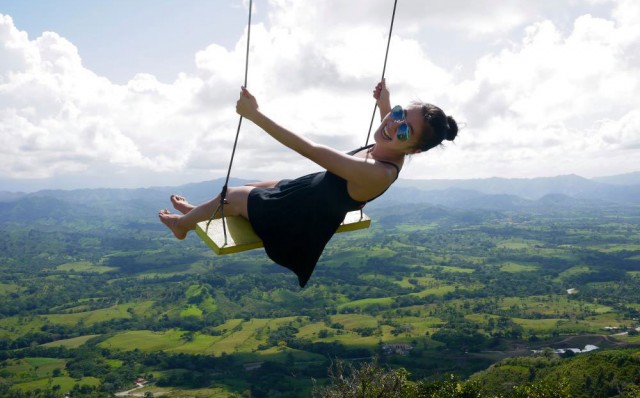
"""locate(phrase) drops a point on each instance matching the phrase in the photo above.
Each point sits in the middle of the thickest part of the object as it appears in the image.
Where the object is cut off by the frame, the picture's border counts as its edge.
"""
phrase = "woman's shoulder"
(393, 165)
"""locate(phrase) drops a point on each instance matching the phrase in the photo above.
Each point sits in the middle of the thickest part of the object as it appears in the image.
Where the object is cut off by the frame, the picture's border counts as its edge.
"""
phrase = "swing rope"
(384, 68)
(223, 193)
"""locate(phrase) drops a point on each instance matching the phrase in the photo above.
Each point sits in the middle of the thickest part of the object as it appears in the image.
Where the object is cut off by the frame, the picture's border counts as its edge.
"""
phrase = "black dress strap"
(382, 161)
(392, 164)
(361, 148)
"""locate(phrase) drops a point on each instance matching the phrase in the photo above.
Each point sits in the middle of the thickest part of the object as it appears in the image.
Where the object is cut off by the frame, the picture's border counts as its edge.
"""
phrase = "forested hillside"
(507, 292)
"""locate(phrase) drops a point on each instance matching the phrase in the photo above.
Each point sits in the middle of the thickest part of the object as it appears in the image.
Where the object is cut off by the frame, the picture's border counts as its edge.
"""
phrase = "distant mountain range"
(499, 194)
(511, 194)
(603, 188)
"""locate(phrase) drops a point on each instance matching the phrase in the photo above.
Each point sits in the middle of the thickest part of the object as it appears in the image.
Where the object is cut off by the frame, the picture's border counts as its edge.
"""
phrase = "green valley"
(95, 295)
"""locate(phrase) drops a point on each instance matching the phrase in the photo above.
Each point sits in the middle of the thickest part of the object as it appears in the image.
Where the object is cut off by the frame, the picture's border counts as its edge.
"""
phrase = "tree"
(369, 380)
(450, 387)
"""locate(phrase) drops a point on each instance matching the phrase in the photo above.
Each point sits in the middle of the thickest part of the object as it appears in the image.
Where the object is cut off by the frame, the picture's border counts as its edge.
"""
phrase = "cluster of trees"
(610, 374)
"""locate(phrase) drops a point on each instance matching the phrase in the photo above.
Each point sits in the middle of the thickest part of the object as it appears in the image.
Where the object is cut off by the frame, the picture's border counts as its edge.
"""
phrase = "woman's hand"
(247, 105)
(381, 94)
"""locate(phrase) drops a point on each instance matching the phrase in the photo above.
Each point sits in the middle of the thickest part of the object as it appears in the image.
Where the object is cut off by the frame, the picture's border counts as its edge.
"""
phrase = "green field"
(553, 305)
(448, 268)
(515, 268)
(8, 288)
(90, 317)
(517, 244)
(572, 272)
(34, 367)
(360, 304)
(65, 383)
(84, 266)
(238, 337)
(145, 340)
(74, 342)
(353, 321)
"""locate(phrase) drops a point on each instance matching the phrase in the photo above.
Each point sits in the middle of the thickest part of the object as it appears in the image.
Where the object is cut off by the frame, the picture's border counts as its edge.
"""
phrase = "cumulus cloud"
(546, 98)
(544, 102)
(57, 116)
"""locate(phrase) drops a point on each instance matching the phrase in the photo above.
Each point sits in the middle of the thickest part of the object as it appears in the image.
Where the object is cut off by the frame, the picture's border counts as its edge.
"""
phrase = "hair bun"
(452, 129)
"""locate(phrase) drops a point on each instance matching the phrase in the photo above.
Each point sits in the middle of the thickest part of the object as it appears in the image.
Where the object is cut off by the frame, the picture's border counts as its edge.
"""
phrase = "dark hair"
(437, 127)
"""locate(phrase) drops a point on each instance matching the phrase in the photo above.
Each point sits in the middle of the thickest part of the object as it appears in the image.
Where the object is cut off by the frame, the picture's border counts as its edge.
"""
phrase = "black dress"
(297, 218)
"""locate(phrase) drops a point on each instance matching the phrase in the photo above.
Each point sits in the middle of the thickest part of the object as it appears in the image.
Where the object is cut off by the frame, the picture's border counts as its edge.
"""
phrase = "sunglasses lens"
(403, 132)
(397, 112)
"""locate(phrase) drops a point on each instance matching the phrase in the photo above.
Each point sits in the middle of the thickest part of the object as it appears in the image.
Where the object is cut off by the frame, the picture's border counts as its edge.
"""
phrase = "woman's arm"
(381, 94)
(353, 169)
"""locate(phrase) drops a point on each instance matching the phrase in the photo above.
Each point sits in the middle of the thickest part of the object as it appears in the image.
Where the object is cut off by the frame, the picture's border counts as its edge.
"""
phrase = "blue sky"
(142, 93)
(119, 38)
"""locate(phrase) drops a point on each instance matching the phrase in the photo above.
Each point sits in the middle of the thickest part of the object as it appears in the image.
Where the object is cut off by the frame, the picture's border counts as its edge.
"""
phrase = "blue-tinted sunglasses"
(403, 132)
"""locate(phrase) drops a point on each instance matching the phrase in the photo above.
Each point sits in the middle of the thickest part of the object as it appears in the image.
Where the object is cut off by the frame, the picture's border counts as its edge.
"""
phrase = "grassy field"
(351, 339)
(8, 288)
(551, 305)
(191, 310)
(573, 271)
(546, 326)
(85, 266)
(30, 373)
(34, 368)
(612, 248)
(518, 244)
(144, 340)
(360, 304)
(404, 282)
(351, 324)
(448, 268)
(353, 321)
(516, 268)
(238, 337)
(65, 383)
(20, 325)
(441, 288)
(90, 317)
(243, 338)
(71, 343)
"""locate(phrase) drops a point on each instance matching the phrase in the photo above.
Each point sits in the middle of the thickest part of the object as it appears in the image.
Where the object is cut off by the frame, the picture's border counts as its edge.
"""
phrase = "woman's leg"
(263, 184)
(181, 204)
(180, 225)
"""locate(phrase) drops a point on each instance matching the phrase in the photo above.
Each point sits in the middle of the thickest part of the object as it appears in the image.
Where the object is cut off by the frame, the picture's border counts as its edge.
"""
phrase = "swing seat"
(241, 237)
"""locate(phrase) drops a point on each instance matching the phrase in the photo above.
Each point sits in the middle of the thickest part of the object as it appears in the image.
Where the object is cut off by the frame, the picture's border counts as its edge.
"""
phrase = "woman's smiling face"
(393, 130)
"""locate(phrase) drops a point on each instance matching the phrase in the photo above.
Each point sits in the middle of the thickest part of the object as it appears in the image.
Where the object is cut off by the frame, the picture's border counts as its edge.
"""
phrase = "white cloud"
(538, 107)
(61, 117)
(551, 102)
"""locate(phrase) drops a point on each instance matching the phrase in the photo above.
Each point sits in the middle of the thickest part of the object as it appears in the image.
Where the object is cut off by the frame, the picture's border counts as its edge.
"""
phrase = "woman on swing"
(296, 218)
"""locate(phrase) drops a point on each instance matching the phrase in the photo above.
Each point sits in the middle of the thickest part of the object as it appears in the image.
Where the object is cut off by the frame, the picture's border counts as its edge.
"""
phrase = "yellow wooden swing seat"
(241, 237)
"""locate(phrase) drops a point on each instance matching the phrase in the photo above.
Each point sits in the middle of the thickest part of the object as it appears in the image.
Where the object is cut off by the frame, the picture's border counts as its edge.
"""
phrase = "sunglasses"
(403, 132)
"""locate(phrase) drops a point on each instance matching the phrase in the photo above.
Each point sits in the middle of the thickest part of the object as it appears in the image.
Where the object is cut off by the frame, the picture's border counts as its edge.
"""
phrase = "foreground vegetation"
(93, 298)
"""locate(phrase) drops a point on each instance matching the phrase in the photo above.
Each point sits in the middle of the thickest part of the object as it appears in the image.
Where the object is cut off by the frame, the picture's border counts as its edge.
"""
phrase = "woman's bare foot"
(181, 204)
(171, 221)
